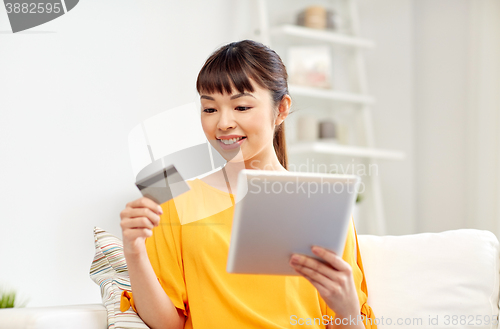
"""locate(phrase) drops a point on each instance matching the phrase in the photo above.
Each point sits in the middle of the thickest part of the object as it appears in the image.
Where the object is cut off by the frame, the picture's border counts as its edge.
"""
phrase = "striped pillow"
(109, 271)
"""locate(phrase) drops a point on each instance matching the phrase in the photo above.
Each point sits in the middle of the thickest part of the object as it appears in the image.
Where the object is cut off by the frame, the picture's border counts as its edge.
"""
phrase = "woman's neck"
(230, 172)
(234, 168)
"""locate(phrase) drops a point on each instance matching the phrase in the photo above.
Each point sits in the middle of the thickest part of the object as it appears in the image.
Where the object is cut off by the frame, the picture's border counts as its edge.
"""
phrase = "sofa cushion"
(109, 271)
(447, 279)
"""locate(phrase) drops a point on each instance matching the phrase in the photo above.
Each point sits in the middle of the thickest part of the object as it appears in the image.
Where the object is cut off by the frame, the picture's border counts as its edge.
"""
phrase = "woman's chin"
(231, 155)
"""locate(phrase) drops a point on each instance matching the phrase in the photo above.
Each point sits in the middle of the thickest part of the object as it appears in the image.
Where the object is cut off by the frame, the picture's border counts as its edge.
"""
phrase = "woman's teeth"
(230, 141)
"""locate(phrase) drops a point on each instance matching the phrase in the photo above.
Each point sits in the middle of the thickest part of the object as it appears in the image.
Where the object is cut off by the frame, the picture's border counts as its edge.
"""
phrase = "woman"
(177, 252)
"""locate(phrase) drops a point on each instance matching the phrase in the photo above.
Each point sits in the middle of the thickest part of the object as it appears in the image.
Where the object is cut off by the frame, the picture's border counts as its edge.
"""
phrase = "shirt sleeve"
(164, 249)
(353, 257)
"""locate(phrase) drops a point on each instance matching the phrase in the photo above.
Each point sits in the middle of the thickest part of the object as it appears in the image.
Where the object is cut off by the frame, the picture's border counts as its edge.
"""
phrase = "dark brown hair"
(239, 61)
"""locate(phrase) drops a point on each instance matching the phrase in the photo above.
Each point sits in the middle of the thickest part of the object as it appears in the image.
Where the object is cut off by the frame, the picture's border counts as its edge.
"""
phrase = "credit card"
(163, 185)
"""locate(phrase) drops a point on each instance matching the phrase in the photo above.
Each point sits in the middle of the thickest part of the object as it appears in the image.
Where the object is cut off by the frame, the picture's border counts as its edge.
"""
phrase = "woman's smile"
(231, 142)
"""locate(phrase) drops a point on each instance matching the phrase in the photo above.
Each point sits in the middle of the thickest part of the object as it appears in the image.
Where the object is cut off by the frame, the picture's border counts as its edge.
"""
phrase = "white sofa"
(413, 281)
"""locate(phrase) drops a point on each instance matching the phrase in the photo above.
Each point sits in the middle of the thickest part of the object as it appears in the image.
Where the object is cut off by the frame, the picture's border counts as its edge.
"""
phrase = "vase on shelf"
(307, 128)
(328, 131)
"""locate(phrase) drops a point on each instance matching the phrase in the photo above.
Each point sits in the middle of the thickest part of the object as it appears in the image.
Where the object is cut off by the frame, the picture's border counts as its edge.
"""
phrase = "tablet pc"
(281, 213)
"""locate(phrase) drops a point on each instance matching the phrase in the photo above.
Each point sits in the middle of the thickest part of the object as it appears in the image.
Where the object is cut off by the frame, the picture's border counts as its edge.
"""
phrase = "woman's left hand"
(334, 280)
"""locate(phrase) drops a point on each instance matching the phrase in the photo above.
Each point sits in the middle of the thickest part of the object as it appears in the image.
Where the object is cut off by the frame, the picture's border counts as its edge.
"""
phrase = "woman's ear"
(284, 109)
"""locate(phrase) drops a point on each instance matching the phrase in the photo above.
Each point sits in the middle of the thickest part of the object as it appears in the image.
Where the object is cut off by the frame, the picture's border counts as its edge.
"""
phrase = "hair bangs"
(224, 72)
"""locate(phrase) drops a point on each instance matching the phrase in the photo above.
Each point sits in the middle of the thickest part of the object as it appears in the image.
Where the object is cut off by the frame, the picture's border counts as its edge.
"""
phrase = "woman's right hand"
(137, 222)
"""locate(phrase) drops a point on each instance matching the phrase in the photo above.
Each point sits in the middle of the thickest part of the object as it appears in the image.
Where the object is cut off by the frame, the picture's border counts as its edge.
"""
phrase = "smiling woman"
(242, 128)
(179, 279)
(250, 79)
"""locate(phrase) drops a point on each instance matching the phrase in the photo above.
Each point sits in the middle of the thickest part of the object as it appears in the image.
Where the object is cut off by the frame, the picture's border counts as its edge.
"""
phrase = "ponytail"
(279, 143)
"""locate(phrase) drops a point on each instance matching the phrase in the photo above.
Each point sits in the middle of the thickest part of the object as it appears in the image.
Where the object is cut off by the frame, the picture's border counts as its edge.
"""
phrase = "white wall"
(457, 114)
(71, 90)
(390, 72)
(435, 73)
(483, 117)
(440, 112)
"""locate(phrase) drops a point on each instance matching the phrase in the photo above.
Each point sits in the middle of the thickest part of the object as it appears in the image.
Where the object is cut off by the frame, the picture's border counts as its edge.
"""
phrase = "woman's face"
(240, 126)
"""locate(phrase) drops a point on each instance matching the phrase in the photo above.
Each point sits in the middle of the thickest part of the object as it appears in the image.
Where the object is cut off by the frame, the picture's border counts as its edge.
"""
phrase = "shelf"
(309, 33)
(330, 94)
(356, 151)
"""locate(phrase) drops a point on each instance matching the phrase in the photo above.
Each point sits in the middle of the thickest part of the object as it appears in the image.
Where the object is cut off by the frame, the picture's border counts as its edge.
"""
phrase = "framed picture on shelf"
(309, 66)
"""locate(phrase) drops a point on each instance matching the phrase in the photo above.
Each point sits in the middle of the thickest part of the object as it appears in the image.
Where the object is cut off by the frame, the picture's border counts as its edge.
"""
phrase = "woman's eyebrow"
(241, 95)
(232, 97)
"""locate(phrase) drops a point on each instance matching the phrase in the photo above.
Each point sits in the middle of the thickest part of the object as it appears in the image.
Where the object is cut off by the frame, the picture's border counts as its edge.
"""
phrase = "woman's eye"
(239, 108)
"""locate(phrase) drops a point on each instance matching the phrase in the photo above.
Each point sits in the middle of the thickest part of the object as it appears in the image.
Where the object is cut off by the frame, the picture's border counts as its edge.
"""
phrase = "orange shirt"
(188, 252)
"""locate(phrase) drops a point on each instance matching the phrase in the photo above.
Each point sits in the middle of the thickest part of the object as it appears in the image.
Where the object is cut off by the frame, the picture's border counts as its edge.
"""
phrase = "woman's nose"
(226, 120)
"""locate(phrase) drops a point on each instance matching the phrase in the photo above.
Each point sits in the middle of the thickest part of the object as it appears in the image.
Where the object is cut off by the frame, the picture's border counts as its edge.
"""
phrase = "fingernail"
(316, 249)
(160, 210)
(295, 258)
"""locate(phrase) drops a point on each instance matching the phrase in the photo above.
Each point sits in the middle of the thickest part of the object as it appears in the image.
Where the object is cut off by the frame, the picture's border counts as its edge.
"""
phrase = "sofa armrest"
(89, 316)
